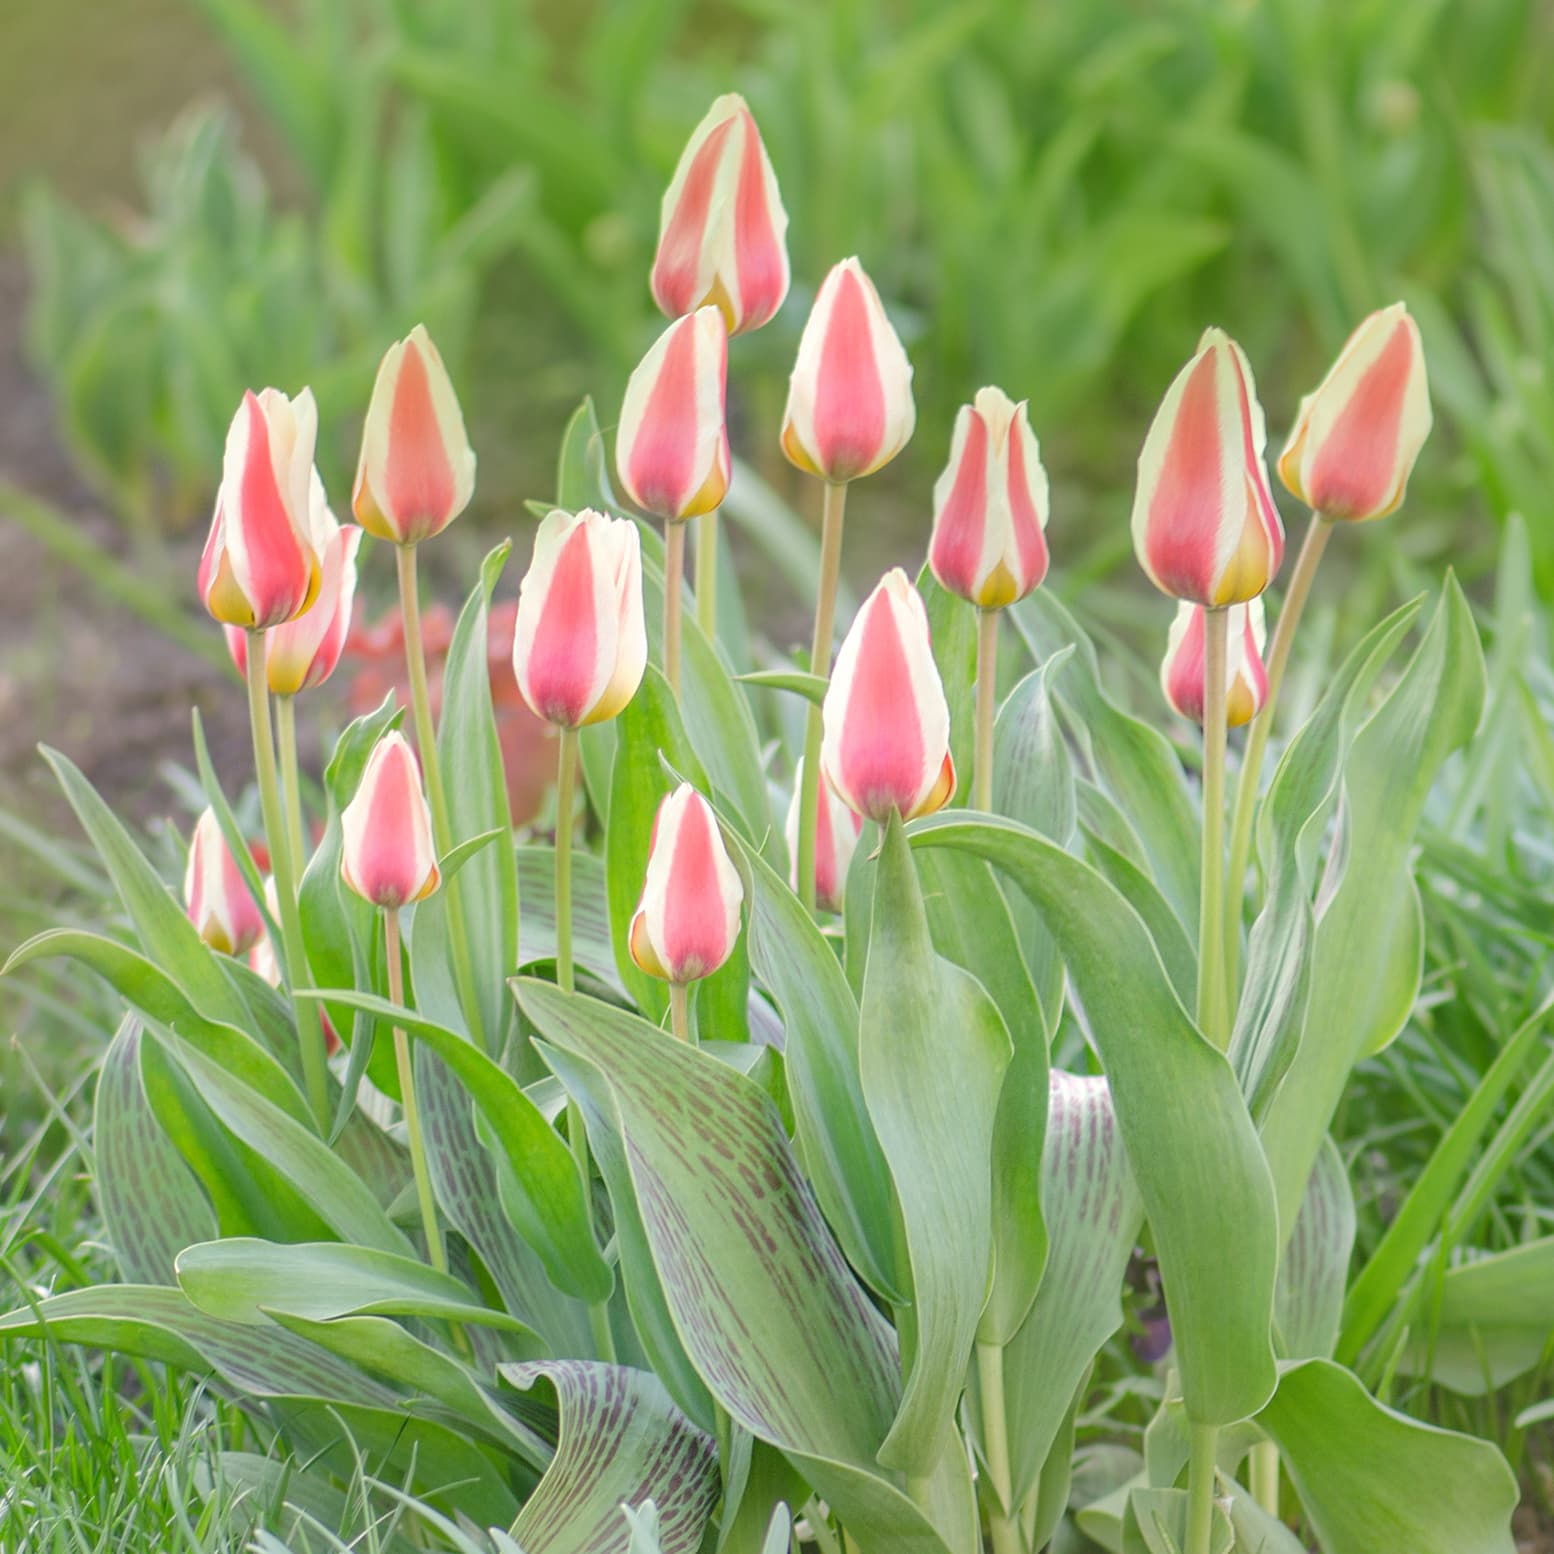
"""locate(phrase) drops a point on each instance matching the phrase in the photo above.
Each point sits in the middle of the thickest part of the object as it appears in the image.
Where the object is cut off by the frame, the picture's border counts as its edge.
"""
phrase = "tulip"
(1204, 524)
(672, 452)
(1356, 438)
(836, 839)
(850, 405)
(259, 567)
(990, 506)
(215, 893)
(417, 470)
(580, 645)
(386, 853)
(886, 723)
(722, 229)
(687, 921)
(1246, 678)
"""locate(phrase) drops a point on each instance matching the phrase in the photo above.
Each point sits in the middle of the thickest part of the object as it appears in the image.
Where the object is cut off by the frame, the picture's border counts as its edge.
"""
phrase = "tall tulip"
(886, 722)
(1246, 678)
(836, 839)
(215, 894)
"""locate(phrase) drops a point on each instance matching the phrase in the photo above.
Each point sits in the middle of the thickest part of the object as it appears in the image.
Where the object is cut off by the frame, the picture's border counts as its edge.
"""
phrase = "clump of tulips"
(717, 1184)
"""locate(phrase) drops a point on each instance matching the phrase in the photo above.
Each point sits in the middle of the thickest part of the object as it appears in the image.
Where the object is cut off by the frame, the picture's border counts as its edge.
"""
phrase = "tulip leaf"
(1180, 1112)
(1314, 1267)
(812, 687)
(591, 943)
(1154, 1521)
(1177, 952)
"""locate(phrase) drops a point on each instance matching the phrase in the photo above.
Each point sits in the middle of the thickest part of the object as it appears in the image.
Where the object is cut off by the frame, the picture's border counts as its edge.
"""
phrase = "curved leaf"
(1314, 1267)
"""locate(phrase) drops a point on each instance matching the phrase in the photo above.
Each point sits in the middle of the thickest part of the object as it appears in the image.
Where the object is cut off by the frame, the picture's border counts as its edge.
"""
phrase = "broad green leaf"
(1176, 950)
(591, 944)
(1180, 1112)
(1314, 1267)
(1373, 1481)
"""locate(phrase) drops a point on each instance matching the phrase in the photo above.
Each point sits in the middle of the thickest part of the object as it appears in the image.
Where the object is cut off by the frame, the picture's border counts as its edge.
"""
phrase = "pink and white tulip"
(672, 451)
(886, 739)
(386, 853)
(1246, 678)
(1358, 435)
(687, 922)
(580, 645)
(850, 407)
(1205, 527)
(722, 231)
(215, 894)
(417, 470)
(990, 505)
(837, 830)
(259, 567)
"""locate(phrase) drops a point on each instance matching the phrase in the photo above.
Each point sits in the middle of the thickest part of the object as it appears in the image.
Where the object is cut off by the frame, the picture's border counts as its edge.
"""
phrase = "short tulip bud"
(386, 851)
(215, 893)
(990, 505)
(1357, 436)
(1204, 524)
(580, 643)
(1246, 678)
(260, 567)
(886, 741)
(417, 470)
(672, 452)
(687, 921)
(850, 404)
(837, 830)
(722, 232)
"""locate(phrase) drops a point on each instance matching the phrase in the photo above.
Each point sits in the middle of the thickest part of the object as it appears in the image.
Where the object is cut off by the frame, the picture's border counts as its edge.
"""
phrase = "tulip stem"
(987, 699)
(310, 1033)
(1001, 1519)
(674, 572)
(707, 574)
(291, 784)
(442, 828)
(423, 1179)
(1200, 1482)
(1211, 905)
(1257, 740)
(1265, 1476)
(680, 1011)
(832, 513)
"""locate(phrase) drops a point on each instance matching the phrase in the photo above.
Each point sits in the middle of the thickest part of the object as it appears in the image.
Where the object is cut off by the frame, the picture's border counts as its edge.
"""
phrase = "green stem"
(832, 513)
(1265, 1476)
(707, 574)
(680, 1011)
(566, 785)
(1211, 909)
(1257, 739)
(1002, 1522)
(987, 698)
(291, 785)
(674, 573)
(1200, 1489)
(310, 1034)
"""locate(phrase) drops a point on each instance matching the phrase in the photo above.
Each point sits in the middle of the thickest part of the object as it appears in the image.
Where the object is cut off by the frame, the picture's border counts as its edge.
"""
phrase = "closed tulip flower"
(886, 743)
(215, 894)
(1204, 524)
(386, 851)
(417, 470)
(687, 921)
(580, 644)
(990, 505)
(837, 830)
(260, 567)
(850, 404)
(1356, 438)
(1246, 679)
(722, 233)
(672, 452)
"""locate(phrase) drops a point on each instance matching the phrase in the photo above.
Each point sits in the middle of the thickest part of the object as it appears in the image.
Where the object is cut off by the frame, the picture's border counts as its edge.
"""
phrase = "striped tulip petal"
(580, 642)
(672, 453)
(722, 231)
(303, 653)
(215, 894)
(990, 505)
(1358, 435)
(1246, 678)
(386, 851)
(1205, 527)
(850, 406)
(417, 470)
(886, 741)
(837, 830)
(687, 921)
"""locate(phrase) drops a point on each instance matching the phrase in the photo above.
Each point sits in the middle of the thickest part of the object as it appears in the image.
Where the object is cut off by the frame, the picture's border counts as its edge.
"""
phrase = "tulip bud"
(580, 644)
(722, 229)
(672, 451)
(990, 505)
(417, 470)
(1204, 524)
(1356, 438)
(886, 741)
(1246, 679)
(386, 852)
(836, 839)
(688, 918)
(215, 893)
(850, 395)
(259, 567)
